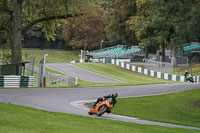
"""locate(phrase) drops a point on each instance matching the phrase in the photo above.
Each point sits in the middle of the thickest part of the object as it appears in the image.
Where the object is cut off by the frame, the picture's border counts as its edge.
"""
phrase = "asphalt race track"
(71, 100)
(80, 73)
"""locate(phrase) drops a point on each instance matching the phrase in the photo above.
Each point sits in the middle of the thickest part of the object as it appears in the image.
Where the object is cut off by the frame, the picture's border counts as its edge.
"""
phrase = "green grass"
(81, 83)
(18, 119)
(180, 108)
(116, 72)
(193, 69)
(56, 72)
(53, 56)
(126, 75)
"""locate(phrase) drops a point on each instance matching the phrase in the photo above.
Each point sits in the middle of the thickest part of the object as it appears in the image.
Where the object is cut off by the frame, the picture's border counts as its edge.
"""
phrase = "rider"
(112, 98)
(186, 73)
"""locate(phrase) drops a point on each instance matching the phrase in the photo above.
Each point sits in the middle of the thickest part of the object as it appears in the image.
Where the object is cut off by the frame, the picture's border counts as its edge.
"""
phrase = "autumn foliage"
(85, 32)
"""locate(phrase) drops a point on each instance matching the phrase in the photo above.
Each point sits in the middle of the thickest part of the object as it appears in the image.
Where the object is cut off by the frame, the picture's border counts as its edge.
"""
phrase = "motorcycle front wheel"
(101, 110)
(90, 113)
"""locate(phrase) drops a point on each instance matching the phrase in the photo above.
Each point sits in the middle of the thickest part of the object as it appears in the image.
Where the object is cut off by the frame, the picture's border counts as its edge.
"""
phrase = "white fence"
(157, 66)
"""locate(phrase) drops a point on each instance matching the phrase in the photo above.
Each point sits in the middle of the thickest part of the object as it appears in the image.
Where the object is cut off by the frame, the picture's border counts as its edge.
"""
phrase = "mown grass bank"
(53, 56)
(18, 119)
(193, 69)
(180, 108)
(129, 77)
(116, 72)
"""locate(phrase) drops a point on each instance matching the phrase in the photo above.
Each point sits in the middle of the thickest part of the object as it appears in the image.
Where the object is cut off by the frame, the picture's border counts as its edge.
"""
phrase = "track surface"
(83, 74)
(70, 100)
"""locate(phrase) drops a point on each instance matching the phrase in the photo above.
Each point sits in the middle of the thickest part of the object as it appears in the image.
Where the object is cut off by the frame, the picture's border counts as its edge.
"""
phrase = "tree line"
(83, 24)
(159, 23)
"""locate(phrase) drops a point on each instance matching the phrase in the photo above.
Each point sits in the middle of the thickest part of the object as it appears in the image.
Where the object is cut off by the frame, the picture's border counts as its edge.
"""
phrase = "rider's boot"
(93, 105)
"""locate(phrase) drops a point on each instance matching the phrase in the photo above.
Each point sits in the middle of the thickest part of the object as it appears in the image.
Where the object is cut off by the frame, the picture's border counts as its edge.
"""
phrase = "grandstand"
(191, 51)
(119, 51)
(191, 47)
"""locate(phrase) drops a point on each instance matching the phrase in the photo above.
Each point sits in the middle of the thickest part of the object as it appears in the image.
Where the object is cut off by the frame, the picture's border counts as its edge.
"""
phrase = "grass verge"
(18, 119)
(109, 70)
(116, 72)
(53, 56)
(126, 75)
(193, 69)
(180, 108)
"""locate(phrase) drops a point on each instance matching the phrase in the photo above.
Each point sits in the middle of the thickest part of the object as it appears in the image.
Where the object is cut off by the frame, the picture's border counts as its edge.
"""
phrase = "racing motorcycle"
(101, 108)
(189, 77)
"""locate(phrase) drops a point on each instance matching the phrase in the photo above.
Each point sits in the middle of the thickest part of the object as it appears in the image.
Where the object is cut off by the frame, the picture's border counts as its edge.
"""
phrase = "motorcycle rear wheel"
(191, 80)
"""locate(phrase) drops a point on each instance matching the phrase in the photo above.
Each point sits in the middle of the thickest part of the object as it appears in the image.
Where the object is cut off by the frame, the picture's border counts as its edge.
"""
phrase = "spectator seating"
(193, 46)
(119, 51)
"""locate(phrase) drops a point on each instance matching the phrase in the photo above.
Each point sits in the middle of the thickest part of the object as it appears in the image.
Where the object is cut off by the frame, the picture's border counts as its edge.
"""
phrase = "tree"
(118, 26)
(150, 24)
(164, 23)
(182, 20)
(85, 32)
(18, 16)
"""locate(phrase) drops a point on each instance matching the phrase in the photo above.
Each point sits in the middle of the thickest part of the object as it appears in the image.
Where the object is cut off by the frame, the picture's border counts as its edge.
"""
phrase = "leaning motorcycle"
(189, 77)
(101, 108)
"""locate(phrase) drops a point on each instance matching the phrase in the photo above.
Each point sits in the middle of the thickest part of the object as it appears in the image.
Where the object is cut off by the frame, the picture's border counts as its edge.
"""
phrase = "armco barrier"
(150, 72)
(13, 81)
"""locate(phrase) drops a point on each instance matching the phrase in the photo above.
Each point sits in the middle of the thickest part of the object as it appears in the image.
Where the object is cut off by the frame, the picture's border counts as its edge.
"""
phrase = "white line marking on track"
(125, 117)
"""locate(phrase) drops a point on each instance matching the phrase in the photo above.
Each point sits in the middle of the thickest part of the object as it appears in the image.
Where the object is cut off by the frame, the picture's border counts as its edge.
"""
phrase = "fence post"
(42, 71)
(31, 65)
(76, 82)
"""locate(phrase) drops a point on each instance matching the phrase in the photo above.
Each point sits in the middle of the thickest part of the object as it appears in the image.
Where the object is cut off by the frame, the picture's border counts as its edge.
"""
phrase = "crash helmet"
(114, 95)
